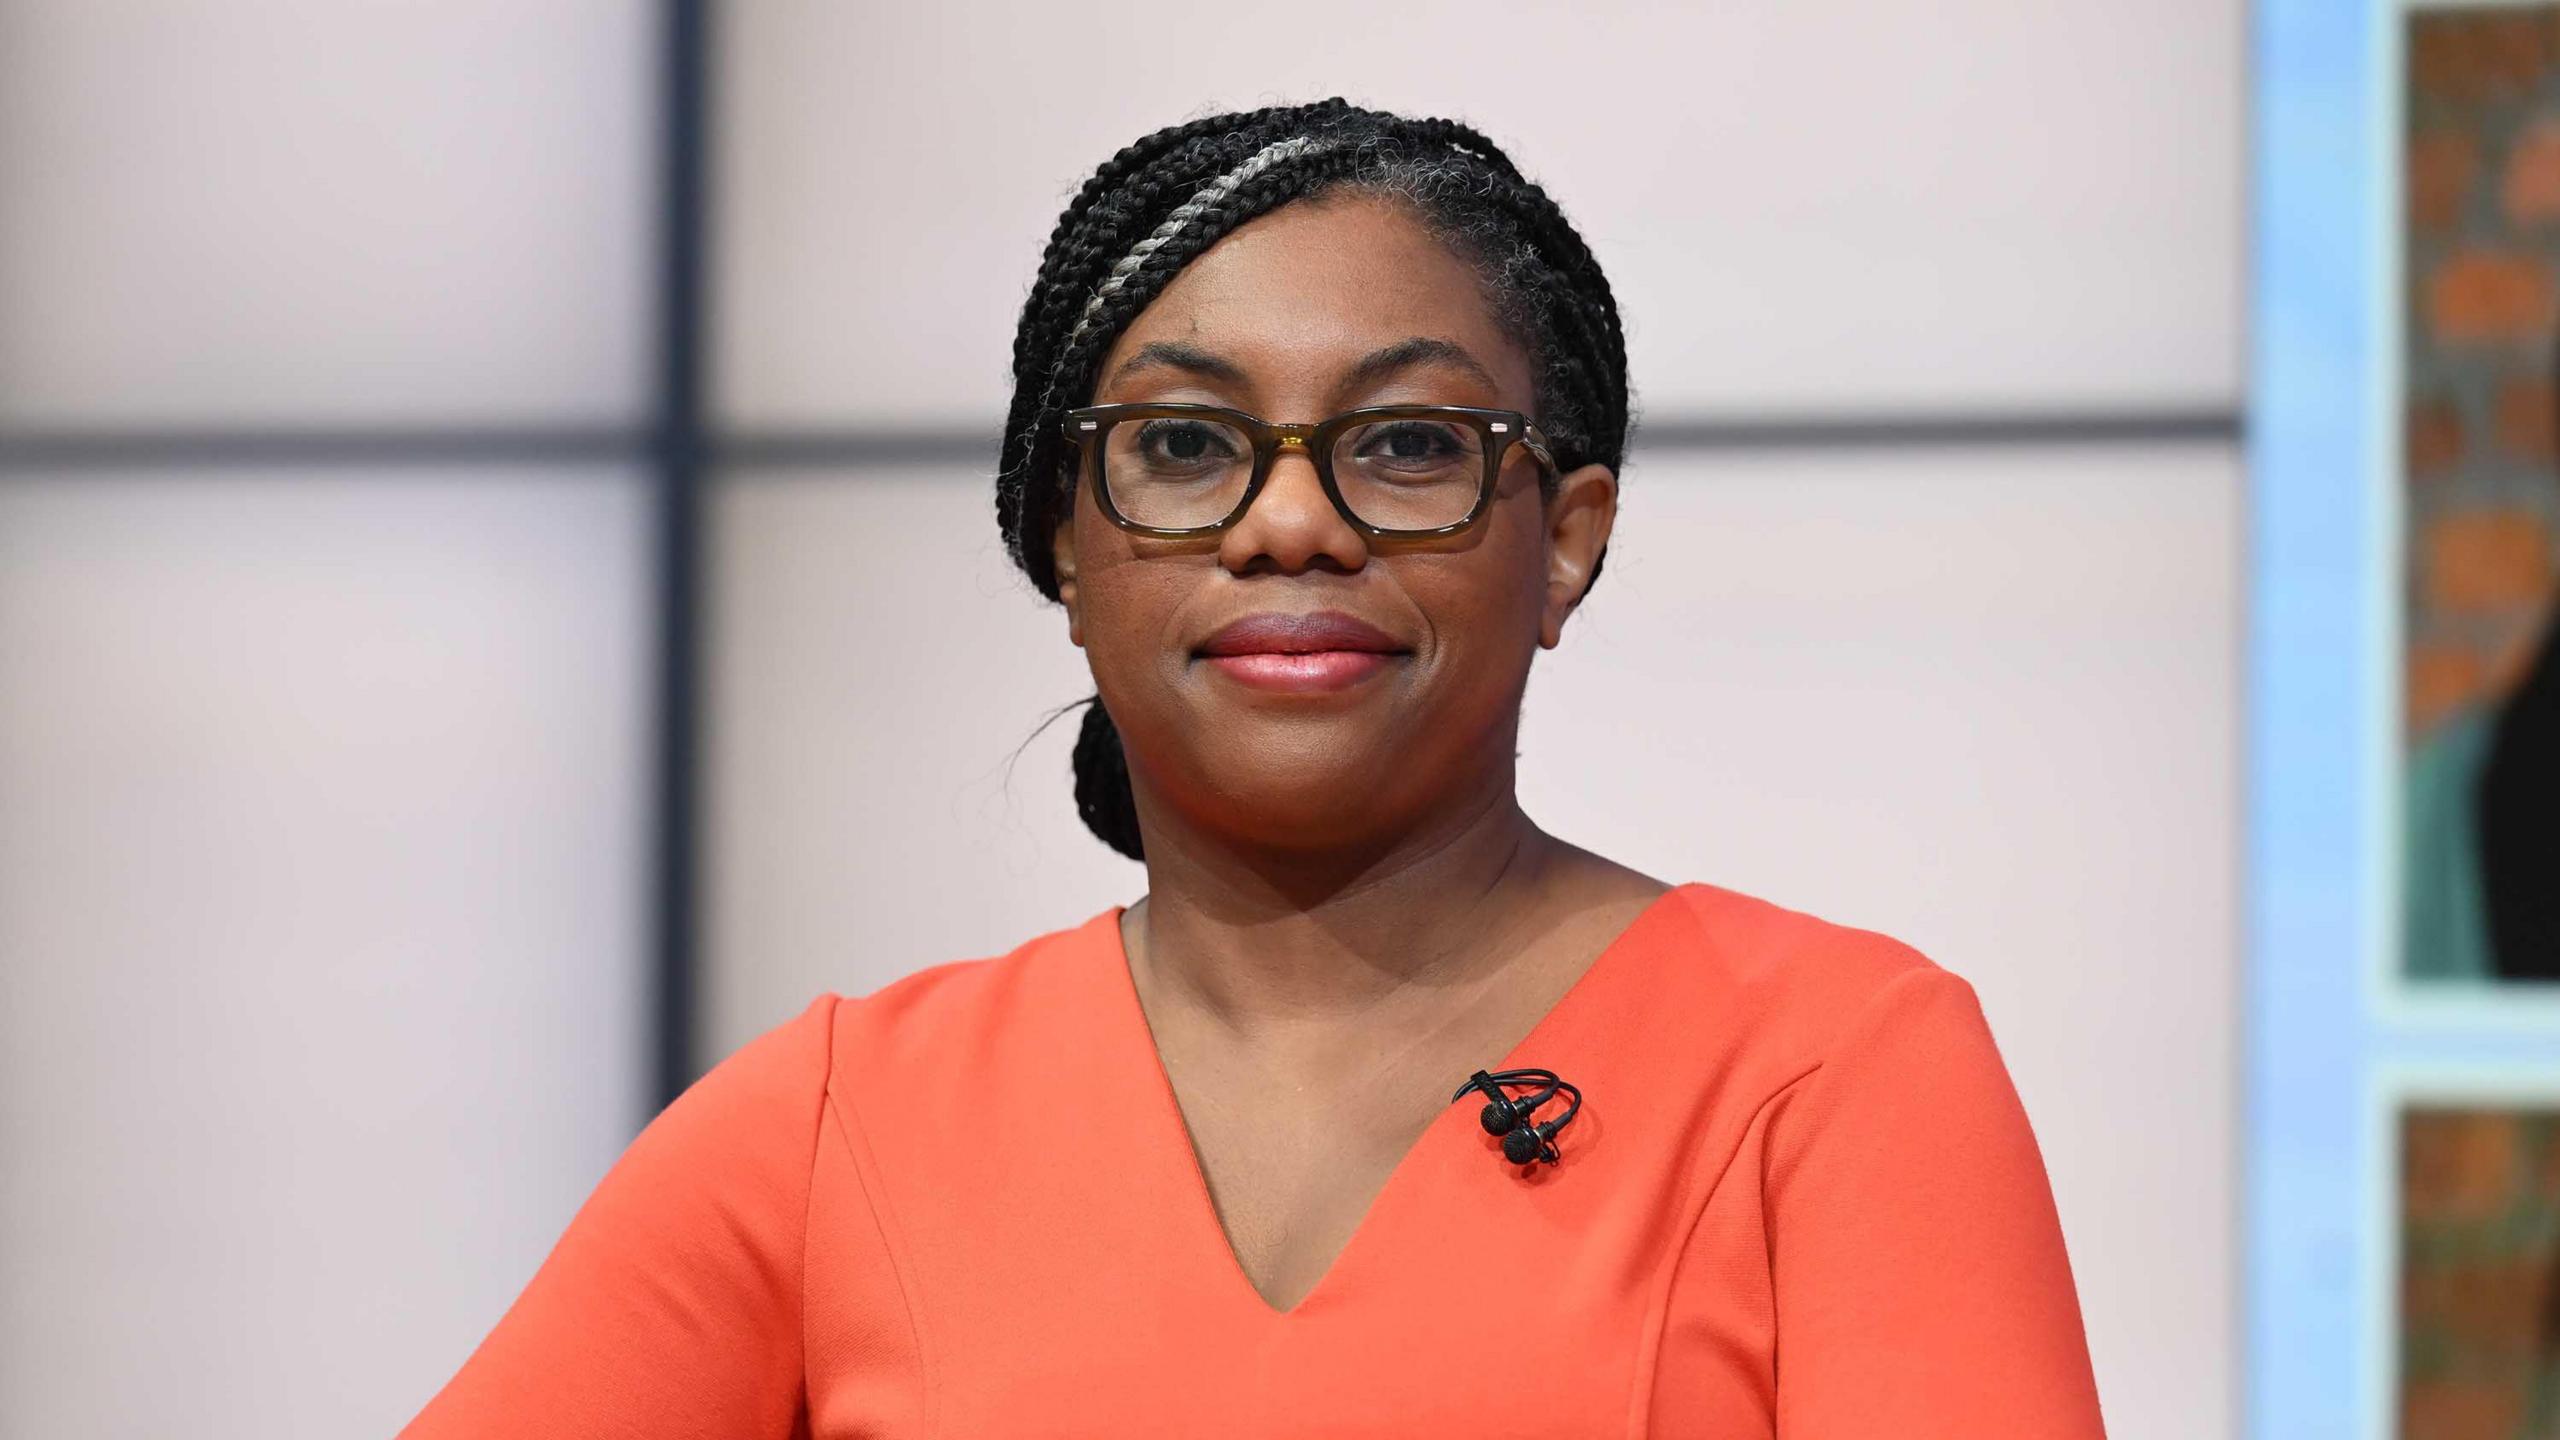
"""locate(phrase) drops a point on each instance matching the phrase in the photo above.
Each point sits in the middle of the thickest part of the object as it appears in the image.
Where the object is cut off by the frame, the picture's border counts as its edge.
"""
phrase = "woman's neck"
(1265, 942)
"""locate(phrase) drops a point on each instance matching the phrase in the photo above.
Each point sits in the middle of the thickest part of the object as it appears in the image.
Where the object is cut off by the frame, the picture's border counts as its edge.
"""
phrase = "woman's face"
(1196, 645)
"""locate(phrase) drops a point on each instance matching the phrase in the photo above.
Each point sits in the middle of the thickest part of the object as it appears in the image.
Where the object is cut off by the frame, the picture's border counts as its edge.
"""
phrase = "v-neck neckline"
(1204, 1207)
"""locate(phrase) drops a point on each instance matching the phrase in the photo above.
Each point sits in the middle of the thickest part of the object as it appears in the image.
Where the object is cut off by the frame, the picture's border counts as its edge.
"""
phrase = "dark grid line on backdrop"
(676, 464)
(716, 451)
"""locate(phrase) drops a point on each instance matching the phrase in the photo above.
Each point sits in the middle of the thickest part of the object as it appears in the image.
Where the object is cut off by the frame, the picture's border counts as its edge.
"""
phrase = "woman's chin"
(1340, 814)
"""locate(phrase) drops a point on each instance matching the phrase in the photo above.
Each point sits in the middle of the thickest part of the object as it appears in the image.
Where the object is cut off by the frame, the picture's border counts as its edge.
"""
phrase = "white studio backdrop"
(323, 786)
(323, 821)
(321, 843)
(292, 213)
(1847, 206)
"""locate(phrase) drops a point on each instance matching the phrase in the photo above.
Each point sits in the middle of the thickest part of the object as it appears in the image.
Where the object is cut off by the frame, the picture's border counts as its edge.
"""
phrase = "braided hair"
(1158, 204)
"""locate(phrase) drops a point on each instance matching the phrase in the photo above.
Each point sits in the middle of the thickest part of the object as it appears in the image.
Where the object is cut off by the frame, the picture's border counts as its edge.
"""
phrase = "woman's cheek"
(1128, 636)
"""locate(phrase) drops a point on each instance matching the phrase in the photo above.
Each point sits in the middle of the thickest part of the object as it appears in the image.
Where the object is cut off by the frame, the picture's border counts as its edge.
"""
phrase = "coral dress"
(1801, 1200)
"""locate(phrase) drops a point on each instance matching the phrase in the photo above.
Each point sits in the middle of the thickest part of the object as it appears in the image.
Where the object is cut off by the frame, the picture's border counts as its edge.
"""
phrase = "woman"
(1315, 438)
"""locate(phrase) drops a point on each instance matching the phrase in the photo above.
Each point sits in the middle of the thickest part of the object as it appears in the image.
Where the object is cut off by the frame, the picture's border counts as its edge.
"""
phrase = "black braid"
(1103, 796)
(1542, 281)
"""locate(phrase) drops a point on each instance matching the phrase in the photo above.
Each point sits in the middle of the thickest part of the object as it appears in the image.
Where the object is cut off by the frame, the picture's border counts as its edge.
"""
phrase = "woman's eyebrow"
(1176, 355)
(1371, 368)
(1420, 350)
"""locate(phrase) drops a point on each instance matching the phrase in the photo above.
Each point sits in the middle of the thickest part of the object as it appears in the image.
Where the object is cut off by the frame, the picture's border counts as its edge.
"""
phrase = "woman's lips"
(1326, 650)
(1316, 670)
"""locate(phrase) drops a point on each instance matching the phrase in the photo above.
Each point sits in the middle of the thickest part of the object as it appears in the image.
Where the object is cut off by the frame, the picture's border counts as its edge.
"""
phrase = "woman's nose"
(1292, 525)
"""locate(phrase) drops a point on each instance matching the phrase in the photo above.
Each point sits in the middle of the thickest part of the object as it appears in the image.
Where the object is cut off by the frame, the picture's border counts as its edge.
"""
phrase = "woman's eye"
(1184, 442)
(1412, 442)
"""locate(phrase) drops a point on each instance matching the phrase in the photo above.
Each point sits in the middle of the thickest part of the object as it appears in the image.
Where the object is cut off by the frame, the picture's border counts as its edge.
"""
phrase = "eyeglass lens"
(1404, 473)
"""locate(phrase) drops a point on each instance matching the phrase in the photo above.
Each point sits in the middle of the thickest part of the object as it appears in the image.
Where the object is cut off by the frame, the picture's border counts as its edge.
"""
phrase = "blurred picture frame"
(2465, 866)
(2466, 1190)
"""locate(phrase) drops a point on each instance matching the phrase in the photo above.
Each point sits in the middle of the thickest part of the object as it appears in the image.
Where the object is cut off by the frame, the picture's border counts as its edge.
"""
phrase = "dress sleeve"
(672, 1305)
(1916, 1260)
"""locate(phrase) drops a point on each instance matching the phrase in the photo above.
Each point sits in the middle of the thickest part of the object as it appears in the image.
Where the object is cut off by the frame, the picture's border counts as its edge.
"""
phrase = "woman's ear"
(1579, 518)
(1062, 563)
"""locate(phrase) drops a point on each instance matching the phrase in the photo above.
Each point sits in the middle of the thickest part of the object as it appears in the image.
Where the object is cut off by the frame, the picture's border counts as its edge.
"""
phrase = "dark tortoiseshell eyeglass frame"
(1497, 431)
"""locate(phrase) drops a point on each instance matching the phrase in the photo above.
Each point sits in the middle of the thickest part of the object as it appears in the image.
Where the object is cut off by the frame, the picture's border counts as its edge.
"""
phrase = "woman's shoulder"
(1049, 983)
(1762, 940)
(1797, 984)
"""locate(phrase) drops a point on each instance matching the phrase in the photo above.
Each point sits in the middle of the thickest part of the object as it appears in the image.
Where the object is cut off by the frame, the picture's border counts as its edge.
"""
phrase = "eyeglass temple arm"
(1537, 444)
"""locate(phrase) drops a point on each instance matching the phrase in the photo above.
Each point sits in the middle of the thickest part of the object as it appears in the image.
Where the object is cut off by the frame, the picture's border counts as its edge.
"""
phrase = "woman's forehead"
(1312, 290)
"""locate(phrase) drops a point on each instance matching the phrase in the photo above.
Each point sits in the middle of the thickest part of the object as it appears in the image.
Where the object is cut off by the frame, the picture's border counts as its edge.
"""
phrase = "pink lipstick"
(1323, 651)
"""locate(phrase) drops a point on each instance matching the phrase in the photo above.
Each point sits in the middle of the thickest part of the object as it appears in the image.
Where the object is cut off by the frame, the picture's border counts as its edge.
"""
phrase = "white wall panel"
(293, 213)
(1980, 700)
(1804, 207)
(322, 838)
(874, 665)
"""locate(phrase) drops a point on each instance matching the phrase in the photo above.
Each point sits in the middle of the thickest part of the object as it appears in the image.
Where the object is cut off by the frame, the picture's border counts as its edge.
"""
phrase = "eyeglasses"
(1393, 471)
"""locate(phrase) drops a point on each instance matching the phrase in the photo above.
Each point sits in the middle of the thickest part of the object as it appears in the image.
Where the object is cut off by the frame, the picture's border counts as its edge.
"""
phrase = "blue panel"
(2313, 522)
